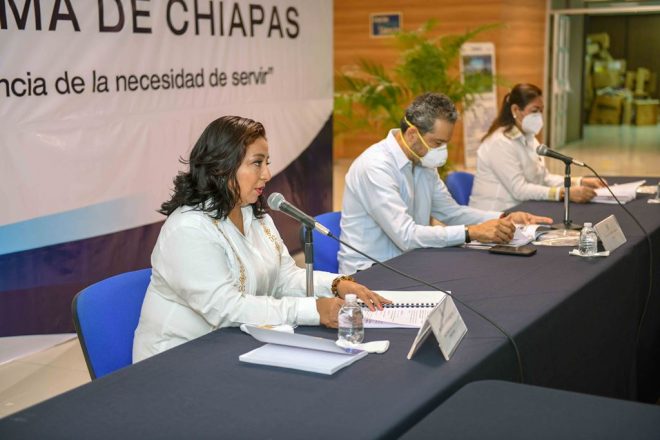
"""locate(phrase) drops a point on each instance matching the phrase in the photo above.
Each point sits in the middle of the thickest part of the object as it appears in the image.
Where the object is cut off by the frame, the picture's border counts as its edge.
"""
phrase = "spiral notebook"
(409, 309)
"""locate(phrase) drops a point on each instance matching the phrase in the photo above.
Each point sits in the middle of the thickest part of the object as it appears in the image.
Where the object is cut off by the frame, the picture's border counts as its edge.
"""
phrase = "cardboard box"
(653, 83)
(608, 73)
(606, 110)
(641, 81)
(646, 111)
(630, 80)
(602, 39)
(592, 48)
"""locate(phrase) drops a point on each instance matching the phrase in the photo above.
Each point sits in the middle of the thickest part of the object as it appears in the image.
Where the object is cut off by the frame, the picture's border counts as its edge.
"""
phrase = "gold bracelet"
(336, 281)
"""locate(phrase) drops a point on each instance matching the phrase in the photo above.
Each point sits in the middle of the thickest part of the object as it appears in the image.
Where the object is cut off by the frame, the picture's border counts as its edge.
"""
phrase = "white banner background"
(106, 159)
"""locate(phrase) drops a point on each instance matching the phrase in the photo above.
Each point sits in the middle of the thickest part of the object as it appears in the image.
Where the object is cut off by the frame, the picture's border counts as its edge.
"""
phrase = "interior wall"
(519, 44)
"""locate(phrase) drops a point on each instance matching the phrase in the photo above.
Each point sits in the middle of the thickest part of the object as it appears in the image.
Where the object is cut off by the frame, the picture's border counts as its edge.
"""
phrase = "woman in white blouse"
(509, 171)
(219, 260)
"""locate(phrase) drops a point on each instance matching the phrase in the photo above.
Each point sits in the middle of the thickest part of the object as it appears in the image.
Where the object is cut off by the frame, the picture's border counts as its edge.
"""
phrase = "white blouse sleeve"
(194, 263)
(553, 179)
(507, 167)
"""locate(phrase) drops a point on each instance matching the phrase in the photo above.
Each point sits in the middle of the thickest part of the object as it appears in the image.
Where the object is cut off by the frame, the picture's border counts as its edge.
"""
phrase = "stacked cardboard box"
(646, 111)
(614, 95)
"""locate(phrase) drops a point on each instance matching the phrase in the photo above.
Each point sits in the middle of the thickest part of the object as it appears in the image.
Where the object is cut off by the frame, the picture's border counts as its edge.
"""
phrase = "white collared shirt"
(509, 171)
(388, 205)
(206, 274)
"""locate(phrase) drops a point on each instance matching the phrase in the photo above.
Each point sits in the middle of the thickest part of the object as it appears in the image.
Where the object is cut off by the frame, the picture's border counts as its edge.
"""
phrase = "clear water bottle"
(351, 329)
(588, 241)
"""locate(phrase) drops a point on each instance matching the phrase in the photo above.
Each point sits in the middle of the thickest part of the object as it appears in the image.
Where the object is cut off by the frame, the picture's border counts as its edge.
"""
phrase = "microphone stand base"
(569, 226)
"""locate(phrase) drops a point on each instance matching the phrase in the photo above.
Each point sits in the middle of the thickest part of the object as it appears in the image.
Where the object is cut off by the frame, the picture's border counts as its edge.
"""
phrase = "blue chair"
(105, 316)
(459, 184)
(325, 248)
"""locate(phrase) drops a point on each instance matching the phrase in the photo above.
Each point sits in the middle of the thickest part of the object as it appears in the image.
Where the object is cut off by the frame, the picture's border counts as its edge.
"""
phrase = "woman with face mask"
(509, 170)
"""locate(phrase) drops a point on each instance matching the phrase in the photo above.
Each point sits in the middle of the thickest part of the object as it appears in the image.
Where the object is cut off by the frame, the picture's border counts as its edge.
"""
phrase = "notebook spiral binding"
(404, 305)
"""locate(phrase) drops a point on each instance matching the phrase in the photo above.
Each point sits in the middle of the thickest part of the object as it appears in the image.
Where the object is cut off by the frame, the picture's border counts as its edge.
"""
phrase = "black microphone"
(544, 150)
(277, 202)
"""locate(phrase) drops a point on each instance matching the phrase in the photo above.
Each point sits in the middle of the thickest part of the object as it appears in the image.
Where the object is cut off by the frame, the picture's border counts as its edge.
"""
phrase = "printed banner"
(478, 58)
(100, 99)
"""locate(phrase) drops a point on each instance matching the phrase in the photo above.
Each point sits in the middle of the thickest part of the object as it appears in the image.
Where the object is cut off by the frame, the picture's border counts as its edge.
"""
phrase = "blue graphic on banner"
(63, 227)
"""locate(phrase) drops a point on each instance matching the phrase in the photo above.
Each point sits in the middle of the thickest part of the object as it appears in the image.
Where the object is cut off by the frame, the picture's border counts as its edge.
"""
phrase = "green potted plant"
(370, 96)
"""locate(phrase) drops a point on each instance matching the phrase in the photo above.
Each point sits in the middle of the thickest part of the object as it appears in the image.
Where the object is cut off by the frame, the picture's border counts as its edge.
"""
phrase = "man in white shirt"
(394, 200)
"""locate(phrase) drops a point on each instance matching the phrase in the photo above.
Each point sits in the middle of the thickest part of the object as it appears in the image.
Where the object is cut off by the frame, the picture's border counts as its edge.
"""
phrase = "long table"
(513, 411)
(574, 320)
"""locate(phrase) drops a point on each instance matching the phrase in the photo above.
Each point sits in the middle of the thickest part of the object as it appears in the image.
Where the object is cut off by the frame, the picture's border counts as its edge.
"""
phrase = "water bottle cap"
(350, 297)
(587, 224)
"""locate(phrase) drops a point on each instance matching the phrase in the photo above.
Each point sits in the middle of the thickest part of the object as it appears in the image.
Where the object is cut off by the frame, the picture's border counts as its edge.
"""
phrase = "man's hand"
(435, 222)
(328, 309)
(493, 231)
(525, 218)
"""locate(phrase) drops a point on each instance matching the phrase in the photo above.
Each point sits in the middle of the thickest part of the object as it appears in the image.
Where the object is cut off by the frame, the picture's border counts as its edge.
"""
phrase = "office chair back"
(105, 316)
(459, 184)
(325, 248)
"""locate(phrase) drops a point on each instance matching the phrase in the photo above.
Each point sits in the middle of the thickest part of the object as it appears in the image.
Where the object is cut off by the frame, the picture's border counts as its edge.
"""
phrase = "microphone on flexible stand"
(543, 150)
(277, 202)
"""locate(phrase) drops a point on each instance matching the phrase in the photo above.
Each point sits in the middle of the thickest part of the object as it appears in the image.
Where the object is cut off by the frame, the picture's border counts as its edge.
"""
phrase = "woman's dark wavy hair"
(521, 95)
(210, 183)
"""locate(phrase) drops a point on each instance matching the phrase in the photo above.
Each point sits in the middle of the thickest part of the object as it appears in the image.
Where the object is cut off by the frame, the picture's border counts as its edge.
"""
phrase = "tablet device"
(521, 251)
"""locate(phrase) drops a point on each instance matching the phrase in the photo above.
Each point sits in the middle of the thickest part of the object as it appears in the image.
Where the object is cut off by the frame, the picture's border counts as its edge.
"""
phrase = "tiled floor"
(611, 150)
(41, 375)
(615, 150)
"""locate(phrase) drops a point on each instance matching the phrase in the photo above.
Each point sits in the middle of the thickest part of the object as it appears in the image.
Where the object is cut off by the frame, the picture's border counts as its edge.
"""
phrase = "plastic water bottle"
(351, 329)
(588, 241)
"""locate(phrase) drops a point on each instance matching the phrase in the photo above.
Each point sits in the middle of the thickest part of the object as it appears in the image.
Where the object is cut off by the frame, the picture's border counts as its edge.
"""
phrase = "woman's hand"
(328, 309)
(371, 299)
(580, 194)
(592, 182)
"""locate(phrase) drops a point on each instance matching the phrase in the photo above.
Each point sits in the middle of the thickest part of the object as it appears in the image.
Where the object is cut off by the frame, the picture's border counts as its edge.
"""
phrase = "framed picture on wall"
(384, 24)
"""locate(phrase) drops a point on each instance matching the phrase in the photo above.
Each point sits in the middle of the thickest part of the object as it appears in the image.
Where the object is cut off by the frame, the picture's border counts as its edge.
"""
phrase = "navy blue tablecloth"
(504, 410)
(574, 320)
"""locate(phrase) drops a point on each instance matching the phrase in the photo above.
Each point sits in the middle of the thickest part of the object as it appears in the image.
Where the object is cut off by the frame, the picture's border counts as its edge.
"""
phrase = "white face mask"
(435, 158)
(532, 123)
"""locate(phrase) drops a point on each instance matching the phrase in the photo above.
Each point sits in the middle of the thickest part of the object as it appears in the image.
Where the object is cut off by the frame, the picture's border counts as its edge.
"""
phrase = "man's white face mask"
(434, 158)
(532, 123)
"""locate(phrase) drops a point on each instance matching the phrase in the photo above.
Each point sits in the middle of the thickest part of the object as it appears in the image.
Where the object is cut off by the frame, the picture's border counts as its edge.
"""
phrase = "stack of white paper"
(624, 192)
(299, 352)
(304, 359)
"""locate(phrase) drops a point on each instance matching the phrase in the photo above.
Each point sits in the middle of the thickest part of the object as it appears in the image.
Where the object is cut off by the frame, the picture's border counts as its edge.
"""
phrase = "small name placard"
(610, 233)
(446, 324)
